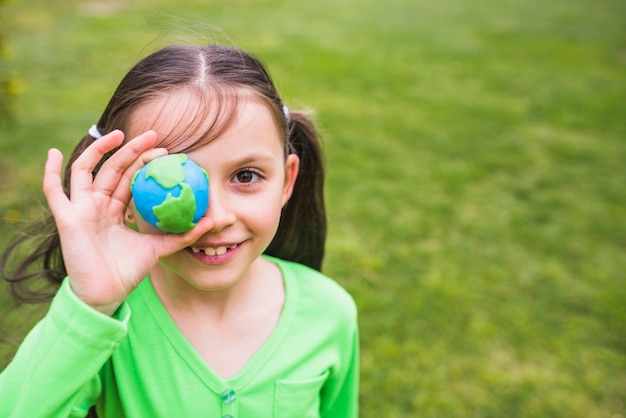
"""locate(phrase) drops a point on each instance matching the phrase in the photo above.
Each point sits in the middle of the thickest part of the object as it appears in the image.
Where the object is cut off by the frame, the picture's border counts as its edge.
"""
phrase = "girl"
(214, 322)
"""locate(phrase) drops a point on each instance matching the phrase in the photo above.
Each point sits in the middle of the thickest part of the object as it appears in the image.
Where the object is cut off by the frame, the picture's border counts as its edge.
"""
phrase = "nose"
(219, 209)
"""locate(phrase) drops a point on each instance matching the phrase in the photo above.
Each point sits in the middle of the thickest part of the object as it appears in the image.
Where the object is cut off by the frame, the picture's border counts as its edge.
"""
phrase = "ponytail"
(300, 237)
(41, 244)
(301, 233)
(33, 263)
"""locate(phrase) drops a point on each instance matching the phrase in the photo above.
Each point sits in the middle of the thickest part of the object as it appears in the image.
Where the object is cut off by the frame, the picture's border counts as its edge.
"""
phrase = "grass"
(476, 176)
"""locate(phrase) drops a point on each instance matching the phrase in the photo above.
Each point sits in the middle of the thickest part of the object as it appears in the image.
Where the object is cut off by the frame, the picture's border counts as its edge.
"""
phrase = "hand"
(104, 259)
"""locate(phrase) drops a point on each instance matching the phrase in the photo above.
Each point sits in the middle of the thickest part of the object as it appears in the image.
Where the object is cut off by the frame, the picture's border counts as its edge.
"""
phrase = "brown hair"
(220, 74)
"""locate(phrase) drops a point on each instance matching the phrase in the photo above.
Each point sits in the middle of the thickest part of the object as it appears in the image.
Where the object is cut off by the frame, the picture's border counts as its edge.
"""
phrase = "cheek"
(263, 216)
(144, 227)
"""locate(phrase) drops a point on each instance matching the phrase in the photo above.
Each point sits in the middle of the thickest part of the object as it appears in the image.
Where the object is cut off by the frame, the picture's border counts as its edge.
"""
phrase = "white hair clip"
(286, 112)
(94, 132)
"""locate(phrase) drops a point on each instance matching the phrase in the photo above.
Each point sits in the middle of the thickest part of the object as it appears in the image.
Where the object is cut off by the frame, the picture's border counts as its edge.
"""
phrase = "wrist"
(108, 309)
(104, 307)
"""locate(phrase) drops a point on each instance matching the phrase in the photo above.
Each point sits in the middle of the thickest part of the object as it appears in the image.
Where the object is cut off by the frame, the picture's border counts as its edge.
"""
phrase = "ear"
(292, 165)
(129, 217)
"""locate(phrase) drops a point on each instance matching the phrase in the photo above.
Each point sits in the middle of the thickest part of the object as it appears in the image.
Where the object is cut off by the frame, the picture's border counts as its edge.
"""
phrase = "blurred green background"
(476, 175)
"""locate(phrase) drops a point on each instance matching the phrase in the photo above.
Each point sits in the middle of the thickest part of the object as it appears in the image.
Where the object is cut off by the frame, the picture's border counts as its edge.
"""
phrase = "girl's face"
(250, 181)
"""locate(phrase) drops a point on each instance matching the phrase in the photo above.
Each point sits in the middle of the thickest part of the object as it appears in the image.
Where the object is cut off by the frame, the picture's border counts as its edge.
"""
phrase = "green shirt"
(138, 364)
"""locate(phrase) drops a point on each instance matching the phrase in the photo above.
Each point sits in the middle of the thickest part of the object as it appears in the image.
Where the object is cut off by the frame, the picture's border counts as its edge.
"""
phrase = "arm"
(55, 371)
(340, 396)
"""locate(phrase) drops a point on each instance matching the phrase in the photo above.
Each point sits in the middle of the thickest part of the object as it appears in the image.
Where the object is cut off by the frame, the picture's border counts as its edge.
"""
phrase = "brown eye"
(246, 176)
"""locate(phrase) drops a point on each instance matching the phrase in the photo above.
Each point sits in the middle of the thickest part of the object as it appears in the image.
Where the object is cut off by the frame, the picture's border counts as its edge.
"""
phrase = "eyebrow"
(250, 160)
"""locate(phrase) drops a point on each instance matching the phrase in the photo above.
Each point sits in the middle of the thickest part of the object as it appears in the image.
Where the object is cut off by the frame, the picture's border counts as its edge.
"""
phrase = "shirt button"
(228, 396)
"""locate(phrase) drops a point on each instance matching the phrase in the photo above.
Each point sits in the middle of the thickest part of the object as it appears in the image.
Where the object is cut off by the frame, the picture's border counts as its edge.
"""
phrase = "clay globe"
(171, 193)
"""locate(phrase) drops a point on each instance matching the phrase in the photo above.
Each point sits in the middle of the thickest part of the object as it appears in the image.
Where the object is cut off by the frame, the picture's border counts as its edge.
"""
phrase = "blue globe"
(171, 193)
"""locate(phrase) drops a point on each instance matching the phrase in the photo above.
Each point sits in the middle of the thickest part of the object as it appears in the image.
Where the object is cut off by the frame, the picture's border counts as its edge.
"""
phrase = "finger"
(117, 165)
(81, 178)
(170, 243)
(204, 225)
(52, 185)
(122, 192)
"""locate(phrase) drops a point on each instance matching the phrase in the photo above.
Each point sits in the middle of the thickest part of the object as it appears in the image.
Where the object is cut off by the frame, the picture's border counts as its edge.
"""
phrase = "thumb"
(170, 243)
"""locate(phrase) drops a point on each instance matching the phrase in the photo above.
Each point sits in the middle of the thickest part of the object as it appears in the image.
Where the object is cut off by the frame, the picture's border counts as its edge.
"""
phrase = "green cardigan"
(138, 364)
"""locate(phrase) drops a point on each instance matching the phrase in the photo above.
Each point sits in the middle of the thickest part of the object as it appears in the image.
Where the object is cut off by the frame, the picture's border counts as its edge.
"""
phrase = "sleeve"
(55, 370)
(340, 396)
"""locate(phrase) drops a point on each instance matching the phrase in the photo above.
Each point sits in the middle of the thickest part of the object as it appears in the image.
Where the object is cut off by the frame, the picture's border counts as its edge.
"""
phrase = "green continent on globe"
(168, 172)
(175, 214)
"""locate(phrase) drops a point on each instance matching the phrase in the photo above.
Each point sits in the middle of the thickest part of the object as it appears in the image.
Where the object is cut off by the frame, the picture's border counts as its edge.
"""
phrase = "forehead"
(187, 119)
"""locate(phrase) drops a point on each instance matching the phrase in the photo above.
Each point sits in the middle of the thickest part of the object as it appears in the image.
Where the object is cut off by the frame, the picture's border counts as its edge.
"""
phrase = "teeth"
(221, 250)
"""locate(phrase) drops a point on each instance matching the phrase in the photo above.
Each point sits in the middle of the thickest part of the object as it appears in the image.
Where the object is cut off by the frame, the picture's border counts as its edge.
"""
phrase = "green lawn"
(476, 157)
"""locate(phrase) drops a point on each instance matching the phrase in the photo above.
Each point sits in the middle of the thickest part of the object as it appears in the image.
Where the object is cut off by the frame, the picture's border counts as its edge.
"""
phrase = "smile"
(211, 251)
